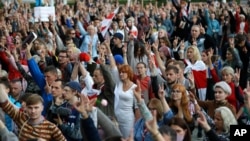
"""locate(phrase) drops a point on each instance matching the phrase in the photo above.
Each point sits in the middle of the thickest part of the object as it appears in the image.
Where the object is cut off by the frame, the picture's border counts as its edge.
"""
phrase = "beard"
(172, 82)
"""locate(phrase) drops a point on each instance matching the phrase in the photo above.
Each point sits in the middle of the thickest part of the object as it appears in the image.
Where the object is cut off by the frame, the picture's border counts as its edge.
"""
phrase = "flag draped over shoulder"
(199, 71)
(107, 21)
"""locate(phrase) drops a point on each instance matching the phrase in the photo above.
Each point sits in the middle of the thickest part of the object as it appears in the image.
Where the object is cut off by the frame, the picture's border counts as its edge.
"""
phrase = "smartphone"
(29, 39)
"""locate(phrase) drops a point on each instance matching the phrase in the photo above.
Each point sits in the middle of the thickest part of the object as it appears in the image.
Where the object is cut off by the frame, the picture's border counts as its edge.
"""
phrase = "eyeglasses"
(73, 33)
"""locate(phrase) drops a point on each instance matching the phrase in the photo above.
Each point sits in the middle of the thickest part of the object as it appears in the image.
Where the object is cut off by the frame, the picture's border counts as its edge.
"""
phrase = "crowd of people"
(158, 72)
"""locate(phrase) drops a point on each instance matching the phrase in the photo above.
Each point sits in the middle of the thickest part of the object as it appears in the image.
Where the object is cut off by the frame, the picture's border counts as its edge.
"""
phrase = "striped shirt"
(45, 129)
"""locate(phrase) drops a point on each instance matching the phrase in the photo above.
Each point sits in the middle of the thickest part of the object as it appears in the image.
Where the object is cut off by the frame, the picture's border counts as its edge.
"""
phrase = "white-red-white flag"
(107, 21)
(199, 71)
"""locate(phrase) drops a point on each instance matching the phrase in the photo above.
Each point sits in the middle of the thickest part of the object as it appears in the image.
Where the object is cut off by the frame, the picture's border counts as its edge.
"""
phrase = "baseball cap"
(74, 85)
(84, 57)
(118, 59)
(118, 35)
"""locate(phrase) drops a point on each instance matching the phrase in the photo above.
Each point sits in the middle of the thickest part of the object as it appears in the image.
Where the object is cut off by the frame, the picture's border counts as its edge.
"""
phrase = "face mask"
(179, 137)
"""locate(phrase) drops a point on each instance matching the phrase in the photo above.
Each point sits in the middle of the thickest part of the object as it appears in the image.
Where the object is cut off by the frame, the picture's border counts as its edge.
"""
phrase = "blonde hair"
(227, 70)
(197, 55)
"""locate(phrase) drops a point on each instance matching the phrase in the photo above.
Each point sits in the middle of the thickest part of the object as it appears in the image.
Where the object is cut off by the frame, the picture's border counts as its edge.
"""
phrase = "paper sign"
(43, 13)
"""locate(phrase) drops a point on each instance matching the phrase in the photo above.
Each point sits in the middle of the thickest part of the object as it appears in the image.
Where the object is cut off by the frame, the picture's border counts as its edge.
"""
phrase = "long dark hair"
(182, 124)
(138, 45)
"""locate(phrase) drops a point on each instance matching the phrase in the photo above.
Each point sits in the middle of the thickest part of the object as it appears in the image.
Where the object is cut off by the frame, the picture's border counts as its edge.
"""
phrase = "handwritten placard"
(43, 13)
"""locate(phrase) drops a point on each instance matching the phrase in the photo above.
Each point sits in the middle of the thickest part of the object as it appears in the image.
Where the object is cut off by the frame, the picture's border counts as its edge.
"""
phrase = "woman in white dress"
(124, 96)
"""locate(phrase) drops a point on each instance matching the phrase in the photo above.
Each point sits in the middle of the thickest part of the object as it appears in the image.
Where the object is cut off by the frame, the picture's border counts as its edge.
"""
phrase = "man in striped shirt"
(31, 123)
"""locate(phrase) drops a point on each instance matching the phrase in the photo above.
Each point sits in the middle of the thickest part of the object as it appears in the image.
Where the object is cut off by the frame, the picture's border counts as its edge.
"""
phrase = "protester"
(33, 116)
(156, 42)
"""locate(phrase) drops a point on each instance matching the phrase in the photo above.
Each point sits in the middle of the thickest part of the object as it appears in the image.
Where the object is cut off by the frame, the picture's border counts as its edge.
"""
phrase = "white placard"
(43, 13)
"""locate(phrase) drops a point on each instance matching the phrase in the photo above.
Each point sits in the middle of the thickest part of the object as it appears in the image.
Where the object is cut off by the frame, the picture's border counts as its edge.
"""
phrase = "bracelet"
(155, 135)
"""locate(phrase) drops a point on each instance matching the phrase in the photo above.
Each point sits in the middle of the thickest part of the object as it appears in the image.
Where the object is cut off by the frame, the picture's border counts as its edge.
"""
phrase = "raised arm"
(188, 5)
(210, 132)
(130, 52)
(211, 67)
(35, 70)
(12, 61)
(9, 108)
(109, 82)
(153, 128)
(111, 57)
(58, 39)
(153, 76)
(85, 75)
(176, 4)
(168, 114)
(238, 61)
(3, 94)
(193, 100)
(158, 59)
(243, 12)
(207, 16)
(99, 34)
(161, 95)
(107, 125)
(81, 28)
(23, 72)
(74, 74)
(124, 51)
(144, 111)
(87, 125)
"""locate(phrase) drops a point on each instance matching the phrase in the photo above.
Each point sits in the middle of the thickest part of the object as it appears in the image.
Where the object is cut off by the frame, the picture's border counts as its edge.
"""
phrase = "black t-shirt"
(117, 51)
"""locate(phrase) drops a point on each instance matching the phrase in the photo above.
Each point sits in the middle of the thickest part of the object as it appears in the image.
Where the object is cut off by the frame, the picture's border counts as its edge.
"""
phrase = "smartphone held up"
(29, 39)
